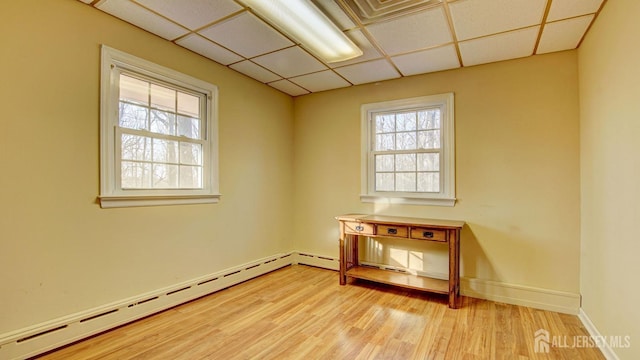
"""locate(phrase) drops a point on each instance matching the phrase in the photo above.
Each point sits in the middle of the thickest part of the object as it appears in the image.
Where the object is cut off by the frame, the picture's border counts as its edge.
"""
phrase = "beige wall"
(517, 167)
(518, 174)
(59, 252)
(610, 171)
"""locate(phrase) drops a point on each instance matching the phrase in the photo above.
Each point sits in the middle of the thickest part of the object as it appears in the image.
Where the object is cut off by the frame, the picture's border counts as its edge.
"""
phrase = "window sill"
(135, 201)
(408, 200)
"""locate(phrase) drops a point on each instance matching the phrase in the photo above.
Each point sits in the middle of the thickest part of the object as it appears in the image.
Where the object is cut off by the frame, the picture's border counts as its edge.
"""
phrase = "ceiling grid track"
(399, 38)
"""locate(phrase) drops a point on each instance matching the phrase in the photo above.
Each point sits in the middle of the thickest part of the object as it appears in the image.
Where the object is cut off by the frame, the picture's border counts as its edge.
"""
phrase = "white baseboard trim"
(324, 262)
(40, 338)
(604, 347)
(538, 298)
(545, 299)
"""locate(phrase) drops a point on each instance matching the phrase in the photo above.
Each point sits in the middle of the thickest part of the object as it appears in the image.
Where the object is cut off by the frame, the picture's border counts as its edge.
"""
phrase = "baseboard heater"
(28, 342)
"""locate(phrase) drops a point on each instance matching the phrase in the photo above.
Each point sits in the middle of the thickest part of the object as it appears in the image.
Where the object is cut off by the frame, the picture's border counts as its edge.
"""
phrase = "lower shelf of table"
(404, 280)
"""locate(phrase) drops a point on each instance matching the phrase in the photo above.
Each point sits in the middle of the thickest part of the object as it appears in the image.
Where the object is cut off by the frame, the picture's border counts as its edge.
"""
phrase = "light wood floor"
(302, 312)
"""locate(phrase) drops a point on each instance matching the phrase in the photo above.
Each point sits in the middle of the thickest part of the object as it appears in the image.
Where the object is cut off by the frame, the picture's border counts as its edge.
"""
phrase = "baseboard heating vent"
(143, 301)
(179, 290)
(31, 337)
(38, 339)
(369, 266)
(387, 267)
(99, 315)
(233, 273)
(206, 281)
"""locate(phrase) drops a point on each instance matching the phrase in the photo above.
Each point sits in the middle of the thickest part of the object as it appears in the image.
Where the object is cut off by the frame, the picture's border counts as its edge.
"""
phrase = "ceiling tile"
(476, 18)
(562, 9)
(509, 45)
(246, 35)
(368, 72)
(442, 58)
(320, 81)
(197, 14)
(335, 13)
(209, 49)
(143, 18)
(369, 52)
(563, 35)
(288, 87)
(290, 62)
(255, 71)
(409, 33)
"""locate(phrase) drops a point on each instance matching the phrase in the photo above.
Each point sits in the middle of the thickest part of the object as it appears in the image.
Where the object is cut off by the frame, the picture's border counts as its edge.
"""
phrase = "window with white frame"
(408, 150)
(158, 134)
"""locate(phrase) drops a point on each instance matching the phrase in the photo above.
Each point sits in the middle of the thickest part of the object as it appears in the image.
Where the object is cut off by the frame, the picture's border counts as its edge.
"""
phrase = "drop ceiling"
(398, 37)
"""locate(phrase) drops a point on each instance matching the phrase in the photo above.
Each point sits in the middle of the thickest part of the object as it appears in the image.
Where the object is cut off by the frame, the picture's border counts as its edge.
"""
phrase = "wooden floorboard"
(301, 312)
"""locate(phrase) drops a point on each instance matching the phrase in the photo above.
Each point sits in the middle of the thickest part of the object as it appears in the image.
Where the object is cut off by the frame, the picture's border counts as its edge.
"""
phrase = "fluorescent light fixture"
(305, 23)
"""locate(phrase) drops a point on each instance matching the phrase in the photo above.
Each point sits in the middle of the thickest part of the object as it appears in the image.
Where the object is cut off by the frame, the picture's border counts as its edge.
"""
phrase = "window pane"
(165, 176)
(429, 162)
(406, 162)
(429, 119)
(133, 116)
(429, 139)
(134, 90)
(406, 182)
(190, 153)
(385, 142)
(384, 162)
(429, 182)
(165, 151)
(188, 104)
(406, 141)
(163, 122)
(135, 147)
(163, 98)
(385, 182)
(191, 177)
(385, 123)
(135, 175)
(406, 121)
(189, 127)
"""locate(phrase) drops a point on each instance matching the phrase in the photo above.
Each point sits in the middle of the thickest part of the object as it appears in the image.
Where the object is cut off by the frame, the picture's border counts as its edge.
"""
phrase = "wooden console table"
(354, 225)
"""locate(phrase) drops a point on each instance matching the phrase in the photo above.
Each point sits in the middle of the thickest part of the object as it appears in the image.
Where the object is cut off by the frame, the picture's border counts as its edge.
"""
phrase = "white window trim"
(112, 196)
(447, 196)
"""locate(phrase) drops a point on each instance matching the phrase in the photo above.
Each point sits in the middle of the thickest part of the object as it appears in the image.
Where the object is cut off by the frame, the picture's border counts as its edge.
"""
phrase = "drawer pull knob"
(392, 231)
(427, 234)
(359, 228)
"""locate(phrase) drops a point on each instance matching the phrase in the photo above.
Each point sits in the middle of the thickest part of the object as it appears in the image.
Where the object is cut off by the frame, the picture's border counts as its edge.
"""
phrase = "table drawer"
(388, 230)
(428, 234)
(359, 228)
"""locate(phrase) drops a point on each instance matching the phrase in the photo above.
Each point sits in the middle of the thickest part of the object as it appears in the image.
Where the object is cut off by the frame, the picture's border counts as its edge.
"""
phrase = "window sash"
(149, 106)
(375, 171)
(151, 161)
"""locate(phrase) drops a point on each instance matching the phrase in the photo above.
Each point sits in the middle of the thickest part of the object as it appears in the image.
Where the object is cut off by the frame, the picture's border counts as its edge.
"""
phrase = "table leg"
(454, 268)
(343, 262)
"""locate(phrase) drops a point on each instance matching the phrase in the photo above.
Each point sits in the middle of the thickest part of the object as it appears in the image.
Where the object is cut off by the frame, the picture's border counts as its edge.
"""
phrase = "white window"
(158, 131)
(408, 151)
